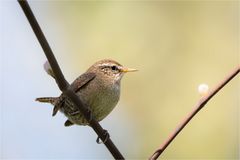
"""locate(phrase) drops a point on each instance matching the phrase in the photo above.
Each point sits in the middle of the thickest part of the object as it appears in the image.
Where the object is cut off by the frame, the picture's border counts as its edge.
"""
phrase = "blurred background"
(175, 45)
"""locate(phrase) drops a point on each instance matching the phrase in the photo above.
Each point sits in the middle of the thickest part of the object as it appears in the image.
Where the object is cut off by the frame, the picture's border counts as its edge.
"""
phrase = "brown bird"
(98, 88)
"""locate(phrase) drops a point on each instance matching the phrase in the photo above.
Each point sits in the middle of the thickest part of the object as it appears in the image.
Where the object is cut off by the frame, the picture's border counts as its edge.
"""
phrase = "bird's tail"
(51, 100)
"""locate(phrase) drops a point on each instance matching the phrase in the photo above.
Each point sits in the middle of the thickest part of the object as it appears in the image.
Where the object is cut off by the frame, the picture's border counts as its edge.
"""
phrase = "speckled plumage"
(98, 88)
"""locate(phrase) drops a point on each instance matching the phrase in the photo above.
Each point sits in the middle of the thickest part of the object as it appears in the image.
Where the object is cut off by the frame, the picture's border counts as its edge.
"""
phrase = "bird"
(98, 88)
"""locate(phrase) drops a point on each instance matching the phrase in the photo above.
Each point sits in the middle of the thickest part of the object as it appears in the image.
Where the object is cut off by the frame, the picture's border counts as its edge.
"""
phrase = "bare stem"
(63, 84)
(200, 104)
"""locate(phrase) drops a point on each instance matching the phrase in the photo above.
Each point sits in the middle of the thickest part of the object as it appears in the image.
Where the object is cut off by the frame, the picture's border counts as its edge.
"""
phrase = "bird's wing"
(75, 86)
(82, 80)
(68, 123)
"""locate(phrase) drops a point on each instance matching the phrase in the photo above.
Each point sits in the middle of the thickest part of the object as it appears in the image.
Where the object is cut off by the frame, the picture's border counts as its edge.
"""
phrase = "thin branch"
(201, 103)
(64, 85)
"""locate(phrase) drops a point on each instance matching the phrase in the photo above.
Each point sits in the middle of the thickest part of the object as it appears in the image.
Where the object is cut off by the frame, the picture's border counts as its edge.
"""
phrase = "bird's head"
(109, 70)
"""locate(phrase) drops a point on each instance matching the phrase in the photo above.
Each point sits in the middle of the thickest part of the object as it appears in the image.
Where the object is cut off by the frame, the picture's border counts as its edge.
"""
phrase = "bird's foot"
(106, 134)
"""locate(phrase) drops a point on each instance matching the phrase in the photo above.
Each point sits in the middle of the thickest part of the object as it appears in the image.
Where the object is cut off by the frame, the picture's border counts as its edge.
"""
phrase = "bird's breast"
(102, 98)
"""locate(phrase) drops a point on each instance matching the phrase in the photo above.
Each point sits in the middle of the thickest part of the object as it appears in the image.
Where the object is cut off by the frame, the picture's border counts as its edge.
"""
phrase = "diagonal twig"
(200, 104)
(64, 85)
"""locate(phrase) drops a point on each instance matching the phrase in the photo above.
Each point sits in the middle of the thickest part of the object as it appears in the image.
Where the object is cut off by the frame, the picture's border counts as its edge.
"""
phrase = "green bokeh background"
(176, 46)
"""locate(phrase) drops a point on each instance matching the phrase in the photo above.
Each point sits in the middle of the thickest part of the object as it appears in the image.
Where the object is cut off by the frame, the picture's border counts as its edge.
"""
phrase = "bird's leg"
(90, 116)
(106, 134)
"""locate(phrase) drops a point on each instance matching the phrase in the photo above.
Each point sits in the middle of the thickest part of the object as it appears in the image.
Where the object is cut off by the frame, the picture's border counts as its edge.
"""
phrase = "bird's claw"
(106, 134)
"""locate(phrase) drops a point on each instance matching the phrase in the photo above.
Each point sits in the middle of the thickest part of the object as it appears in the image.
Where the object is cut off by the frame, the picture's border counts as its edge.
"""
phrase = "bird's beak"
(125, 70)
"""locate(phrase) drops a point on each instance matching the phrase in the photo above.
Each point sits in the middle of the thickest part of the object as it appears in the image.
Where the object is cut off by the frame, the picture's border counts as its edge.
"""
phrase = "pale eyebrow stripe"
(108, 65)
(105, 65)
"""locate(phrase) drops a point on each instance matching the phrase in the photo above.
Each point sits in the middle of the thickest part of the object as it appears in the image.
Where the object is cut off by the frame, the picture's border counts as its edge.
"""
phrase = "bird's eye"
(114, 68)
